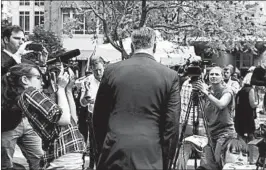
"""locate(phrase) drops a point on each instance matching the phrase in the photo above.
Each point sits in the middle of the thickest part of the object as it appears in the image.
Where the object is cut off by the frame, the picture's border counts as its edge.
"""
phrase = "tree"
(48, 39)
(225, 25)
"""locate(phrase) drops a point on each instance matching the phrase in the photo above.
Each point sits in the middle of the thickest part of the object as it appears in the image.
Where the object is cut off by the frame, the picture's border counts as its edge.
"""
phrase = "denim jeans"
(187, 148)
(67, 161)
(28, 141)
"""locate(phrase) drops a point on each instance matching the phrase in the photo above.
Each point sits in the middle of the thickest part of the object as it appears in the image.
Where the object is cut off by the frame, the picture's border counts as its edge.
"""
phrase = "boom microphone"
(64, 57)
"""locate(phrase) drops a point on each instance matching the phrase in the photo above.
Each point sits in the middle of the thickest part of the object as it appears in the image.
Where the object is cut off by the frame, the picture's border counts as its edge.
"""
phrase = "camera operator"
(218, 110)
(259, 75)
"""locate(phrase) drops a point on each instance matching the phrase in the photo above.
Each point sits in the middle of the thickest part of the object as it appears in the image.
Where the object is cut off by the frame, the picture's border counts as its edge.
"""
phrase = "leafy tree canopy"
(225, 25)
(48, 39)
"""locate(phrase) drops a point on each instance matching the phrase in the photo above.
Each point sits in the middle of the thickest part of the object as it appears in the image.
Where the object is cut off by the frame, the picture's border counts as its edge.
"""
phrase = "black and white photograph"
(133, 85)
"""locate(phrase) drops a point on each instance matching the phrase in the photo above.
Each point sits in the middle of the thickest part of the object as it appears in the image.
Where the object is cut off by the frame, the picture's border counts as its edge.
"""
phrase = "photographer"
(218, 110)
(62, 143)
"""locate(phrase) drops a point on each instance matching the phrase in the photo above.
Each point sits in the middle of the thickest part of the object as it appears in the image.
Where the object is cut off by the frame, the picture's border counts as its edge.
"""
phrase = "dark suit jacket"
(6, 62)
(136, 115)
(11, 114)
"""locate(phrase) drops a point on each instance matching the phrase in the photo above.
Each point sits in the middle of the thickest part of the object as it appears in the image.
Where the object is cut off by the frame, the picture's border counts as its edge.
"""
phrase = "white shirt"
(93, 89)
(15, 57)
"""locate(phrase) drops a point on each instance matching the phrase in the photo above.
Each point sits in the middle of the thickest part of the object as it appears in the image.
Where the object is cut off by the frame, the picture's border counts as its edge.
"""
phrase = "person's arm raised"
(220, 103)
(69, 94)
(63, 79)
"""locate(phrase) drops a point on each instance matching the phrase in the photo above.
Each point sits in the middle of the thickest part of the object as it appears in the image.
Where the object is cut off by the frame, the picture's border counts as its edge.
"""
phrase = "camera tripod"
(195, 102)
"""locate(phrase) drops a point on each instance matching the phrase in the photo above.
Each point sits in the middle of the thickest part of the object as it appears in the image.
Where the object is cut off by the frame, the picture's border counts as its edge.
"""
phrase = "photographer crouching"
(52, 119)
(218, 110)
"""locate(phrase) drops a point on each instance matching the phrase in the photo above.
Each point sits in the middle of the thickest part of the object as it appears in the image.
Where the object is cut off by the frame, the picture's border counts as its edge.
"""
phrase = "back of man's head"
(143, 38)
(8, 31)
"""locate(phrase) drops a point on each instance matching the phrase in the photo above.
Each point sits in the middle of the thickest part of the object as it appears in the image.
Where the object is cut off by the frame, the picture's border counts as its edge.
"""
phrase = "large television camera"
(194, 69)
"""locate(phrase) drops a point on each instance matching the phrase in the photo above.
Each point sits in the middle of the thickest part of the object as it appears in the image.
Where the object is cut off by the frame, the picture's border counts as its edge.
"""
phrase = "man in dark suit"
(15, 126)
(13, 39)
(137, 110)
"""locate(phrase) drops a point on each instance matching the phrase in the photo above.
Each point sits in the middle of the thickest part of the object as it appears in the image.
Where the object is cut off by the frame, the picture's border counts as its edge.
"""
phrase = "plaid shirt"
(42, 113)
(70, 140)
(185, 94)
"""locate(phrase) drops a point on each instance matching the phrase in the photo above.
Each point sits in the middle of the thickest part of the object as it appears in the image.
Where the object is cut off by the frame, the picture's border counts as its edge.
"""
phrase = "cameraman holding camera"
(218, 110)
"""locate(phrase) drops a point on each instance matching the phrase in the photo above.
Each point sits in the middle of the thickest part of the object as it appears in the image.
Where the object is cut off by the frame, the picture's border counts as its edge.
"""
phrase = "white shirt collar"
(15, 57)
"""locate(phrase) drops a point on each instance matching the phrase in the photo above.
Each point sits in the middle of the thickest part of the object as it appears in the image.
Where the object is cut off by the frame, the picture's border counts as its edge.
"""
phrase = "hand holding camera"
(63, 78)
(200, 85)
(72, 79)
(23, 50)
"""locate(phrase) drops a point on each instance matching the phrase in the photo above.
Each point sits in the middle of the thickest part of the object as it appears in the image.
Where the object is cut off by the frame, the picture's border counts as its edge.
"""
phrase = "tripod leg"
(183, 129)
(205, 125)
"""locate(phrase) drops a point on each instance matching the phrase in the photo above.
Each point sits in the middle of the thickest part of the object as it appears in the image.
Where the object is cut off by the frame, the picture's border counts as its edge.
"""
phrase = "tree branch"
(94, 11)
(143, 13)
(172, 27)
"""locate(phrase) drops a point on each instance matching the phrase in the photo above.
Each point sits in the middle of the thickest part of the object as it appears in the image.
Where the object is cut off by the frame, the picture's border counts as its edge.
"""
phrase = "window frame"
(25, 15)
(40, 15)
(24, 2)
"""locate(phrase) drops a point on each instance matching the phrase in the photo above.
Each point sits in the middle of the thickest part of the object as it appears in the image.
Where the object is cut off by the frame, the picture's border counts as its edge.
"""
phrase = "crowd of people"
(127, 115)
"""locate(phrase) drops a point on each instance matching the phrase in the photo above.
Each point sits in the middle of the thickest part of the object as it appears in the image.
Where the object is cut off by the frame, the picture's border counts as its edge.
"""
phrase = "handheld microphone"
(64, 57)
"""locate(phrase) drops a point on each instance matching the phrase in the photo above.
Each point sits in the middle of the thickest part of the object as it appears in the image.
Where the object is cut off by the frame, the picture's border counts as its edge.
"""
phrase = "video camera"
(34, 47)
(54, 66)
(195, 68)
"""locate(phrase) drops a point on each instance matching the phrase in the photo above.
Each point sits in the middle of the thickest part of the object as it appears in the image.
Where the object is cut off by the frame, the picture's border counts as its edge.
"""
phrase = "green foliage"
(48, 39)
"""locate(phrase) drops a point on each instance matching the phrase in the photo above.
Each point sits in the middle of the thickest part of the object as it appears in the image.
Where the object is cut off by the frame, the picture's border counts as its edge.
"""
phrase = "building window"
(38, 18)
(81, 23)
(39, 3)
(24, 2)
(24, 21)
(244, 60)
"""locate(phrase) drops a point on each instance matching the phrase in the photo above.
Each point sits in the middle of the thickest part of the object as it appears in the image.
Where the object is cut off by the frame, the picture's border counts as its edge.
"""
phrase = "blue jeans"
(187, 148)
(28, 141)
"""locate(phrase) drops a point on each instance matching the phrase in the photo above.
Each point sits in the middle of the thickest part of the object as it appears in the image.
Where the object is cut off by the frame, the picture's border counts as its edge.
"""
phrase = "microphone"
(64, 57)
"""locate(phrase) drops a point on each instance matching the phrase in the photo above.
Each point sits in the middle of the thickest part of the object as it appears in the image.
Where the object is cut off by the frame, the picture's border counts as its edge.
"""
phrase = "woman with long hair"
(62, 142)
